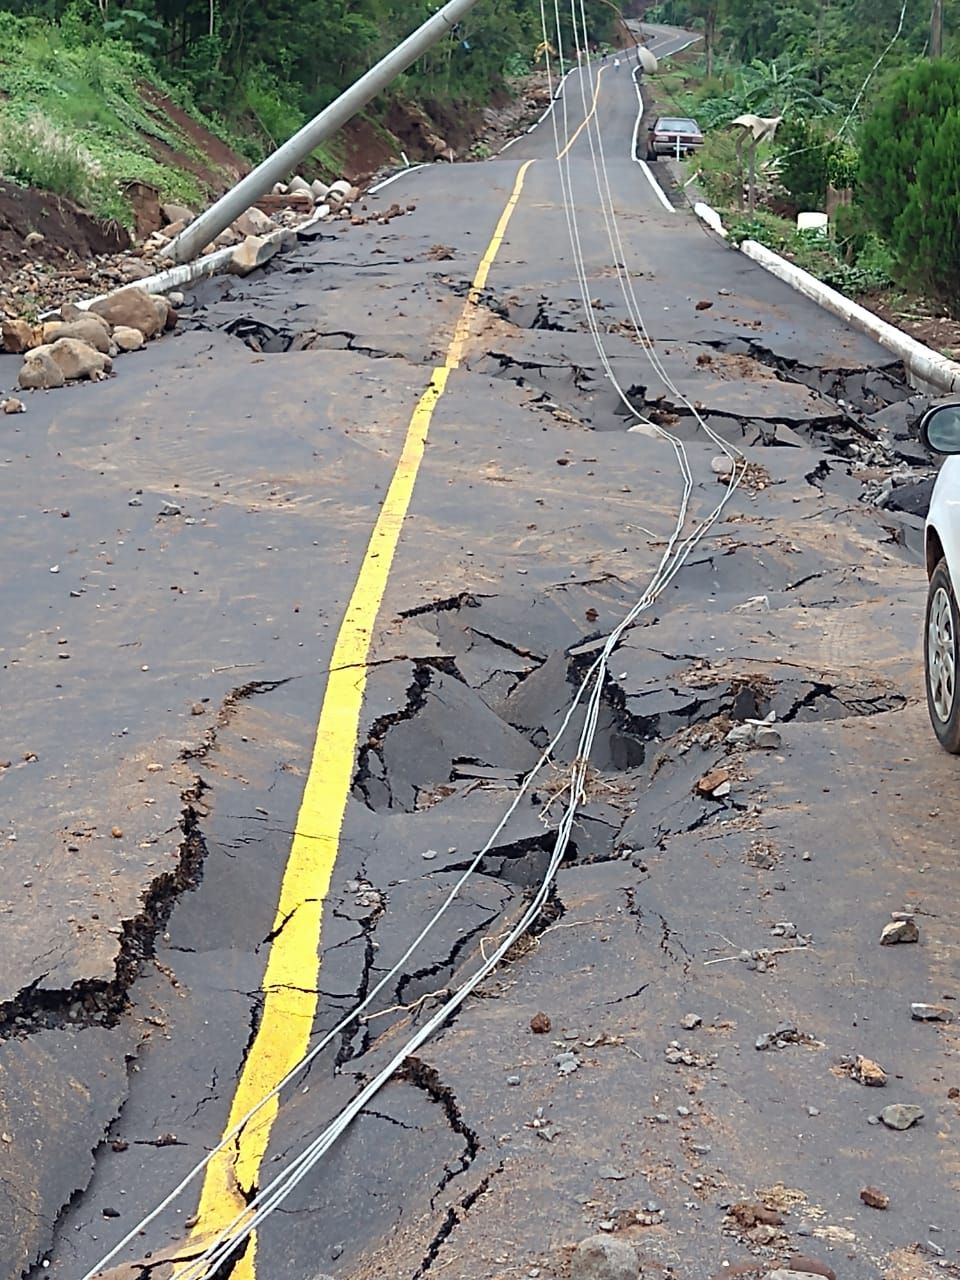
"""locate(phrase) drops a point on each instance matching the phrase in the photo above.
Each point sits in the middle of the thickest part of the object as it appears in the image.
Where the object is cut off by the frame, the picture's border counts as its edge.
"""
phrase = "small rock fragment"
(866, 1071)
(899, 931)
(703, 305)
(874, 1198)
(170, 509)
(604, 1258)
(128, 339)
(691, 1021)
(708, 784)
(901, 1115)
(610, 1174)
(721, 465)
(117, 833)
(931, 1013)
(540, 1024)
(810, 1267)
(13, 405)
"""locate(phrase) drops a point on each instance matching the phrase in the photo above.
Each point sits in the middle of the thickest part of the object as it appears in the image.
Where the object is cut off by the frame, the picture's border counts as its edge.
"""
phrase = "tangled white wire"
(269, 1197)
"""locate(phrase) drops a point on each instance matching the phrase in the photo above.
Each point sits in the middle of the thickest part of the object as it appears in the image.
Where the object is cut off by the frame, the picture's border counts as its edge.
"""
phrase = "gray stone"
(39, 371)
(610, 1174)
(170, 509)
(88, 329)
(931, 1013)
(128, 339)
(603, 1258)
(901, 1115)
(899, 931)
(254, 222)
(691, 1021)
(132, 308)
(173, 212)
(78, 359)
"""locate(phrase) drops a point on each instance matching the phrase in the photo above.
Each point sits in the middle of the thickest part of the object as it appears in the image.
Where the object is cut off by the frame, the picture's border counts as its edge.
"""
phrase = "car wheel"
(942, 659)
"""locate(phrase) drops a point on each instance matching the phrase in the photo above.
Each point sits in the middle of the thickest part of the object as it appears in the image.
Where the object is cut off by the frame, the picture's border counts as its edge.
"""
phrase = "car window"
(674, 124)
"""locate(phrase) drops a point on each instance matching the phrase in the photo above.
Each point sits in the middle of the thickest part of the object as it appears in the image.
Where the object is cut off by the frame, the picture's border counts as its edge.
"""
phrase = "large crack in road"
(703, 877)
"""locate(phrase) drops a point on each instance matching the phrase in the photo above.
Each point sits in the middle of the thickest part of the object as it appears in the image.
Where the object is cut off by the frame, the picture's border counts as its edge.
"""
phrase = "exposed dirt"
(921, 318)
(214, 163)
(68, 233)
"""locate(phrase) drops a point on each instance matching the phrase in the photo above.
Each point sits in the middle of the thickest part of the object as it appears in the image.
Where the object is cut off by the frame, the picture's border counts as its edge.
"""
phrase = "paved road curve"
(279, 725)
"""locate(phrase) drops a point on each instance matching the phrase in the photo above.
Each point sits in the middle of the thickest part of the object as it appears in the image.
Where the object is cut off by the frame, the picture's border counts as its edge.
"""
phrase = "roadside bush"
(805, 150)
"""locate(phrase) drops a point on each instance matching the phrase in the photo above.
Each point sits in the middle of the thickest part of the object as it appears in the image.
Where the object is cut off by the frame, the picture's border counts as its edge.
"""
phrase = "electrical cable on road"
(231, 1237)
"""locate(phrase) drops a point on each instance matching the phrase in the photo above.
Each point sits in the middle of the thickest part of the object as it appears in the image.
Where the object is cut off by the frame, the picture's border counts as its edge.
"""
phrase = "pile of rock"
(80, 343)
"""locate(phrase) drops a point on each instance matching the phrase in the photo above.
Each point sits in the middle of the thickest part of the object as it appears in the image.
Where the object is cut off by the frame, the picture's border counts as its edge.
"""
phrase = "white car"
(940, 431)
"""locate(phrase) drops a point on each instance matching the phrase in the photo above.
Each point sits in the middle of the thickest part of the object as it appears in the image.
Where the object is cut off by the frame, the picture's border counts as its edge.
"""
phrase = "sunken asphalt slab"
(162, 676)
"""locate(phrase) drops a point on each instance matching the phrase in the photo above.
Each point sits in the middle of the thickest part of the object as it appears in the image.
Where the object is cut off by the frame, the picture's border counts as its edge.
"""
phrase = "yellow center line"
(293, 965)
(587, 118)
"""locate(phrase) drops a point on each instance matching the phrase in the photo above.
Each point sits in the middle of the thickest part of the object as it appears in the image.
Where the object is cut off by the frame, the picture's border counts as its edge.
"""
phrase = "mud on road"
(708, 969)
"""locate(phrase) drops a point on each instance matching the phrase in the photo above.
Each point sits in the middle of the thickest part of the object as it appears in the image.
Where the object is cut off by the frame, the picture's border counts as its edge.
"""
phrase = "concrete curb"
(210, 265)
(927, 368)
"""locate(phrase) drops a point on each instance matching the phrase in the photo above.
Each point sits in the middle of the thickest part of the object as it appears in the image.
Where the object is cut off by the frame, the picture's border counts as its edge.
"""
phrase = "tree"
(893, 138)
(927, 232)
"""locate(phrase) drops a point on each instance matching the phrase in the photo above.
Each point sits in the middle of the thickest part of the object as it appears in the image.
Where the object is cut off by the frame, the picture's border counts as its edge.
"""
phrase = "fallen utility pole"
(204, 229)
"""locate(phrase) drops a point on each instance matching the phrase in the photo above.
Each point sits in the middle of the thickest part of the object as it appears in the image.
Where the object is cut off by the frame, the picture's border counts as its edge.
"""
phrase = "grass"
(72, 119)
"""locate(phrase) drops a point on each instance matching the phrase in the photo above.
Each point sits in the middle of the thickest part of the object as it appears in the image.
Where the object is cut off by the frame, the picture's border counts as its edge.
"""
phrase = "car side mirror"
(940, 428)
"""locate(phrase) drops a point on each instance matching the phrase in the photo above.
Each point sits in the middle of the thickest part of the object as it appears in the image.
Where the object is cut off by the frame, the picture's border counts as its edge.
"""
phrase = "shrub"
(35, 152)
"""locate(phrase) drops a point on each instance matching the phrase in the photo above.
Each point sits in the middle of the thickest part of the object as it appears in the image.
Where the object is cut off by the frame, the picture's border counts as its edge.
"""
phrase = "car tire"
(941, 659)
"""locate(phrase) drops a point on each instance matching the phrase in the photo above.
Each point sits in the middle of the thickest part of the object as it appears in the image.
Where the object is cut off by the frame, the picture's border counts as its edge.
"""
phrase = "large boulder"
(78, 359)
(173, 212)
(89, 329)
(254, 222)
(40, 372)
(133, 308)
(18, 336)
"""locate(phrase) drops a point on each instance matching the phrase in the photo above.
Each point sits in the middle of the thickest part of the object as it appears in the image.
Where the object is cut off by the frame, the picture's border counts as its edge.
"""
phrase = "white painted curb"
(923, 364)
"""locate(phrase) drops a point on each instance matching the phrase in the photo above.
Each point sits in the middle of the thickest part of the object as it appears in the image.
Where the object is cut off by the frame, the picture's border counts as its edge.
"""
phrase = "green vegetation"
(870, 128)
(72, 117)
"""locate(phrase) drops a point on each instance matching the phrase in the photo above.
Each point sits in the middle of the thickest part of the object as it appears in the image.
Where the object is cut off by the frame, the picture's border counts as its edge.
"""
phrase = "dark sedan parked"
(673, 136)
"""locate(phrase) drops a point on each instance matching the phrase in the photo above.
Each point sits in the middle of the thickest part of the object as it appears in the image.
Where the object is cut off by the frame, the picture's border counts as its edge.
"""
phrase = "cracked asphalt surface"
(162, 679)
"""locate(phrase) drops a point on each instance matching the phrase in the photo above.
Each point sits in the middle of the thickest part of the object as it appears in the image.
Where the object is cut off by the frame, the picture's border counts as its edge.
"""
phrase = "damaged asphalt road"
(162, 680)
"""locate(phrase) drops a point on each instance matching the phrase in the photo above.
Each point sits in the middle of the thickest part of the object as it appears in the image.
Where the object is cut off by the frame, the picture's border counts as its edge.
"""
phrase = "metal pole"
(260, 180)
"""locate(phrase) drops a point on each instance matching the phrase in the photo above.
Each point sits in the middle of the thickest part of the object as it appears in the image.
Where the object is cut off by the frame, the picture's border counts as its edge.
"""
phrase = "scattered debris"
(874, 1198)
(901, 1115)
(786, 1033)
(567, 1062)
(756, 733)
